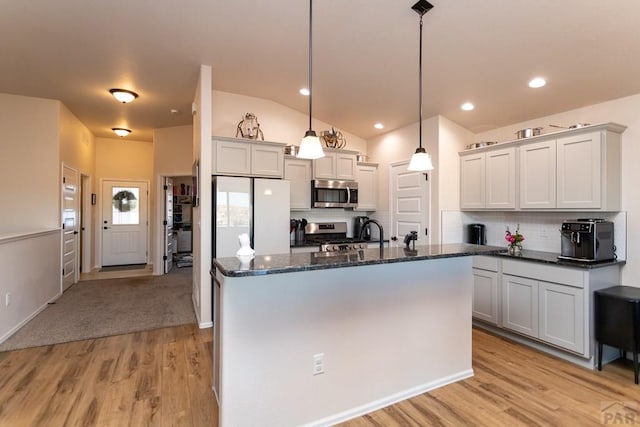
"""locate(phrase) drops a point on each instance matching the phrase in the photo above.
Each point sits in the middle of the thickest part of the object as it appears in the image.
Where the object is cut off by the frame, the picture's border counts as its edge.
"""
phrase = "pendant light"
(310, 147)
(421, 160)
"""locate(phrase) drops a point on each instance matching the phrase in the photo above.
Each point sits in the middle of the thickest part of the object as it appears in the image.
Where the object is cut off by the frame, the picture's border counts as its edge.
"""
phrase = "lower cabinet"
(548, 303)
(485, 290)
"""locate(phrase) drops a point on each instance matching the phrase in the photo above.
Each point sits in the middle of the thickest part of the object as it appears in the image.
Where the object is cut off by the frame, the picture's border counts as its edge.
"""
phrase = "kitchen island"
(316, 339)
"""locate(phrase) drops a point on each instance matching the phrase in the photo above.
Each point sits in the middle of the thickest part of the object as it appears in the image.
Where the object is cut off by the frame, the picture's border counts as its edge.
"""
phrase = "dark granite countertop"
(317, 245)
(552, 258)
(288, 263)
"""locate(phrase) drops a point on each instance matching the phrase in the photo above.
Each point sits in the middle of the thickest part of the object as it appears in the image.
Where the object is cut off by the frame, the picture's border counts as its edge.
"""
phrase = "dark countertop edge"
(552, 259)
(486, 250)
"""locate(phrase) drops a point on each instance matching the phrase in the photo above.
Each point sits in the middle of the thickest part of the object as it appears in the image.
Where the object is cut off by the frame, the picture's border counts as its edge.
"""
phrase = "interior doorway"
(178, 209)
(86, 223)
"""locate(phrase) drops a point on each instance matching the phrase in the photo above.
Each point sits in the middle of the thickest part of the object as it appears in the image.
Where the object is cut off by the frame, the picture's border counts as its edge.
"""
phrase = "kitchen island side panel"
(387, 332)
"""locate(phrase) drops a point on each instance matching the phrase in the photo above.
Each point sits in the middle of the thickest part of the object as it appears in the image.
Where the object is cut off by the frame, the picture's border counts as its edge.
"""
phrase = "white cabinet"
(572, 170)
(548, 302)
(520, 305)
(488, 180)
(485, 289)
(336, 164)
(298, 173)
(561, 315)
(367, 177)
(538, 175)
(472, 185)
(238, 157)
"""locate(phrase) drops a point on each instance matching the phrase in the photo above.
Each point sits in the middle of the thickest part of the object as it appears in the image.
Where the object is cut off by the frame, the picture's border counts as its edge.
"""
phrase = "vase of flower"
(515, 241)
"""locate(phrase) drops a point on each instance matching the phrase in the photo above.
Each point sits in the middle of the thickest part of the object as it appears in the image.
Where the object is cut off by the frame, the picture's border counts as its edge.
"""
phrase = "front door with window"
(124, 222)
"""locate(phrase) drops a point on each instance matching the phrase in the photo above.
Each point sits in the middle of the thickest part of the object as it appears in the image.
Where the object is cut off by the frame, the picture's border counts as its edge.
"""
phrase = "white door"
(124, 222)
(168, 224)
(409, 202)
(70, 224)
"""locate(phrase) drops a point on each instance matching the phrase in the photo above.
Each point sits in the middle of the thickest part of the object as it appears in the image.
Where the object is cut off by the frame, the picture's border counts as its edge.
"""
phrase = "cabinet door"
(325, 167)
(367, 188)
(232, 158)
(267, 160)
(485, 295)
(472, 181)
(345, 167)
(579, 171)
(298, 173)
(520, 305)
(500, 185)
(561, 315)
(538, 175)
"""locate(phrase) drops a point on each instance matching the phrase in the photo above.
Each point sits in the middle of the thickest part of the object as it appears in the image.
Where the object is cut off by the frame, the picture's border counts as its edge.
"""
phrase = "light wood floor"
(163, 378)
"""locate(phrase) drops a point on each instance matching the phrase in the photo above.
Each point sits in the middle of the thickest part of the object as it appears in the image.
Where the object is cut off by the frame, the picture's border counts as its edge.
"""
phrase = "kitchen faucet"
(379, 228)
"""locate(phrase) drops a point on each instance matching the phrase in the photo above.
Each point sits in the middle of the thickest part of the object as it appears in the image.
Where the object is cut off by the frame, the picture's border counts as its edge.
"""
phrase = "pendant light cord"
(310, 59)
(420, 86)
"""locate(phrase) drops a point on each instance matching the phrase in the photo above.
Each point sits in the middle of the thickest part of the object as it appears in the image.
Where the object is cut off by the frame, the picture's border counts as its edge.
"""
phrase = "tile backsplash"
(540, 229)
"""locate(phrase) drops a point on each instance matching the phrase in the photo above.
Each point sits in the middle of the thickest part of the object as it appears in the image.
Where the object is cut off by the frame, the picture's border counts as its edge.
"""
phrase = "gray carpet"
(98, 308)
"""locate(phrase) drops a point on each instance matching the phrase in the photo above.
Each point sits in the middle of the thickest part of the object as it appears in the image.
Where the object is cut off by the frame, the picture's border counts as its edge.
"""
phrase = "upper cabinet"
(336, 164)
(241, 157)
(488, 180)
(573, 170)
(298, 173)
(367, 176)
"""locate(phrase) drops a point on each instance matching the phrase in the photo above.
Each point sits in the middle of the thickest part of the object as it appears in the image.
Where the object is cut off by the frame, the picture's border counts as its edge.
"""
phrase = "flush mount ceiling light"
(537, 82)
(310, 147)
(420, 161)
(378, 126)
(121, 132)
(123, 95)
(467, 106)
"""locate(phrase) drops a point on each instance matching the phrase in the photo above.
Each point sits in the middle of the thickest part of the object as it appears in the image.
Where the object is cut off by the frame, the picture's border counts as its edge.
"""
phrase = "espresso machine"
(587, 240)
(358, 224)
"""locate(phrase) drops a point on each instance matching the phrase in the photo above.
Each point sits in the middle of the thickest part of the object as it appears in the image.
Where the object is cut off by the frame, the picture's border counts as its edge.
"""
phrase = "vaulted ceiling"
(365, 57)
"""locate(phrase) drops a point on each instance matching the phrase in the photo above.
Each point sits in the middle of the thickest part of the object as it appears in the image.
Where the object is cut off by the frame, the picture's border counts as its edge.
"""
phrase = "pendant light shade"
(421, 160)
(310, 146)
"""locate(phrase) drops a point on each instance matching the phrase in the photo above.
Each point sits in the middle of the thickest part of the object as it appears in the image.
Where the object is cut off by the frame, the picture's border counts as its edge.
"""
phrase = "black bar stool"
(617, 321)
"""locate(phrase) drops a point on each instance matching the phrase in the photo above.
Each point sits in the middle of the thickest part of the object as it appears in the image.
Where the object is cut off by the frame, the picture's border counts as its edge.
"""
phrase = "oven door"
(334, 194)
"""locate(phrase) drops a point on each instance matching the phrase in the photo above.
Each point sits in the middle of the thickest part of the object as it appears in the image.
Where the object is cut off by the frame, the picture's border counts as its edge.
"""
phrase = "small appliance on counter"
(358, 224)
(587, 240)
(476, 234)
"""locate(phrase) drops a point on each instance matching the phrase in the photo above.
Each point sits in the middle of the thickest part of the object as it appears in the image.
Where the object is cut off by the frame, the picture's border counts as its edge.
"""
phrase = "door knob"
(105, 227)
(75, 232)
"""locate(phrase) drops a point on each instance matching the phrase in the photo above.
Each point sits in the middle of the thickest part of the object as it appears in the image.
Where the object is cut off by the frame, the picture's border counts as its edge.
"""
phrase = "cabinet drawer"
(485, 262)
(548, 273)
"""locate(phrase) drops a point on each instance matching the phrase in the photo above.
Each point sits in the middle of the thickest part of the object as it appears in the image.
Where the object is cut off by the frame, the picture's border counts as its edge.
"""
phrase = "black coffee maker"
(358, 224)
(476, 234)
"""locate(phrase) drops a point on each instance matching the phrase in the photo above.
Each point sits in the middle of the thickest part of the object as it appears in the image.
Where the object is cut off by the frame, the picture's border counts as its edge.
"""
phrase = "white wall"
(623, 111)
(29, 164)
(123, 159)
(278, 123)
(202, 214)
(172, 156)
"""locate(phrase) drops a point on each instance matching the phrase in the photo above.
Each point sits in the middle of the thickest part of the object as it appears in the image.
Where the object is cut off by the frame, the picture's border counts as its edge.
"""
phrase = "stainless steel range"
(332, 237)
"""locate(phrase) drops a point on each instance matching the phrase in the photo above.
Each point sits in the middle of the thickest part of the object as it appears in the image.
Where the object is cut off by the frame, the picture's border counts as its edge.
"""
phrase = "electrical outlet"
(7, 299)
(318, 364)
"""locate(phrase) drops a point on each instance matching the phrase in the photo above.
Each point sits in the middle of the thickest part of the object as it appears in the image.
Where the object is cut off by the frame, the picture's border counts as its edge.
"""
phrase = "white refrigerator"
(256, 206)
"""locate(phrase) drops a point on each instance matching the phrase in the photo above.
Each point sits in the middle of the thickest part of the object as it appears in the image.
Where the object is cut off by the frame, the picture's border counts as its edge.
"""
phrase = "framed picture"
(196, 179)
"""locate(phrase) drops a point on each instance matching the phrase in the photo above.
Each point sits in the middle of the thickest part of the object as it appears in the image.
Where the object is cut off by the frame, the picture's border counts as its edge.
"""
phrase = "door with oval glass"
(124, 222)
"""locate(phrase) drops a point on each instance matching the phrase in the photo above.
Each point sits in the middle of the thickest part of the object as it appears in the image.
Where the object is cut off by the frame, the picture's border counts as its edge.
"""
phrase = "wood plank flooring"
(163, 378)
(152, 378)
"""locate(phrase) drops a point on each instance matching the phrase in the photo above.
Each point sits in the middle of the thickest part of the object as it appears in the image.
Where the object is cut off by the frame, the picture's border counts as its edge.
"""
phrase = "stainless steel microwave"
(334, 194)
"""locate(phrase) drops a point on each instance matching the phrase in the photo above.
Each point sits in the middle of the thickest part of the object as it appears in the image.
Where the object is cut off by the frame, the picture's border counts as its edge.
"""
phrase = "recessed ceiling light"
(304, 91)
(378, 126)
(121, 132)
(174, 111)
(467, 106)
(537, 82)
(123, 95)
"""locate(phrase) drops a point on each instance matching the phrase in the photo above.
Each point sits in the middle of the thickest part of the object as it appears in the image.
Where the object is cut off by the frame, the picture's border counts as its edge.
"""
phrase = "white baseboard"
(389, 400)
(205, 325)
(28, 318)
